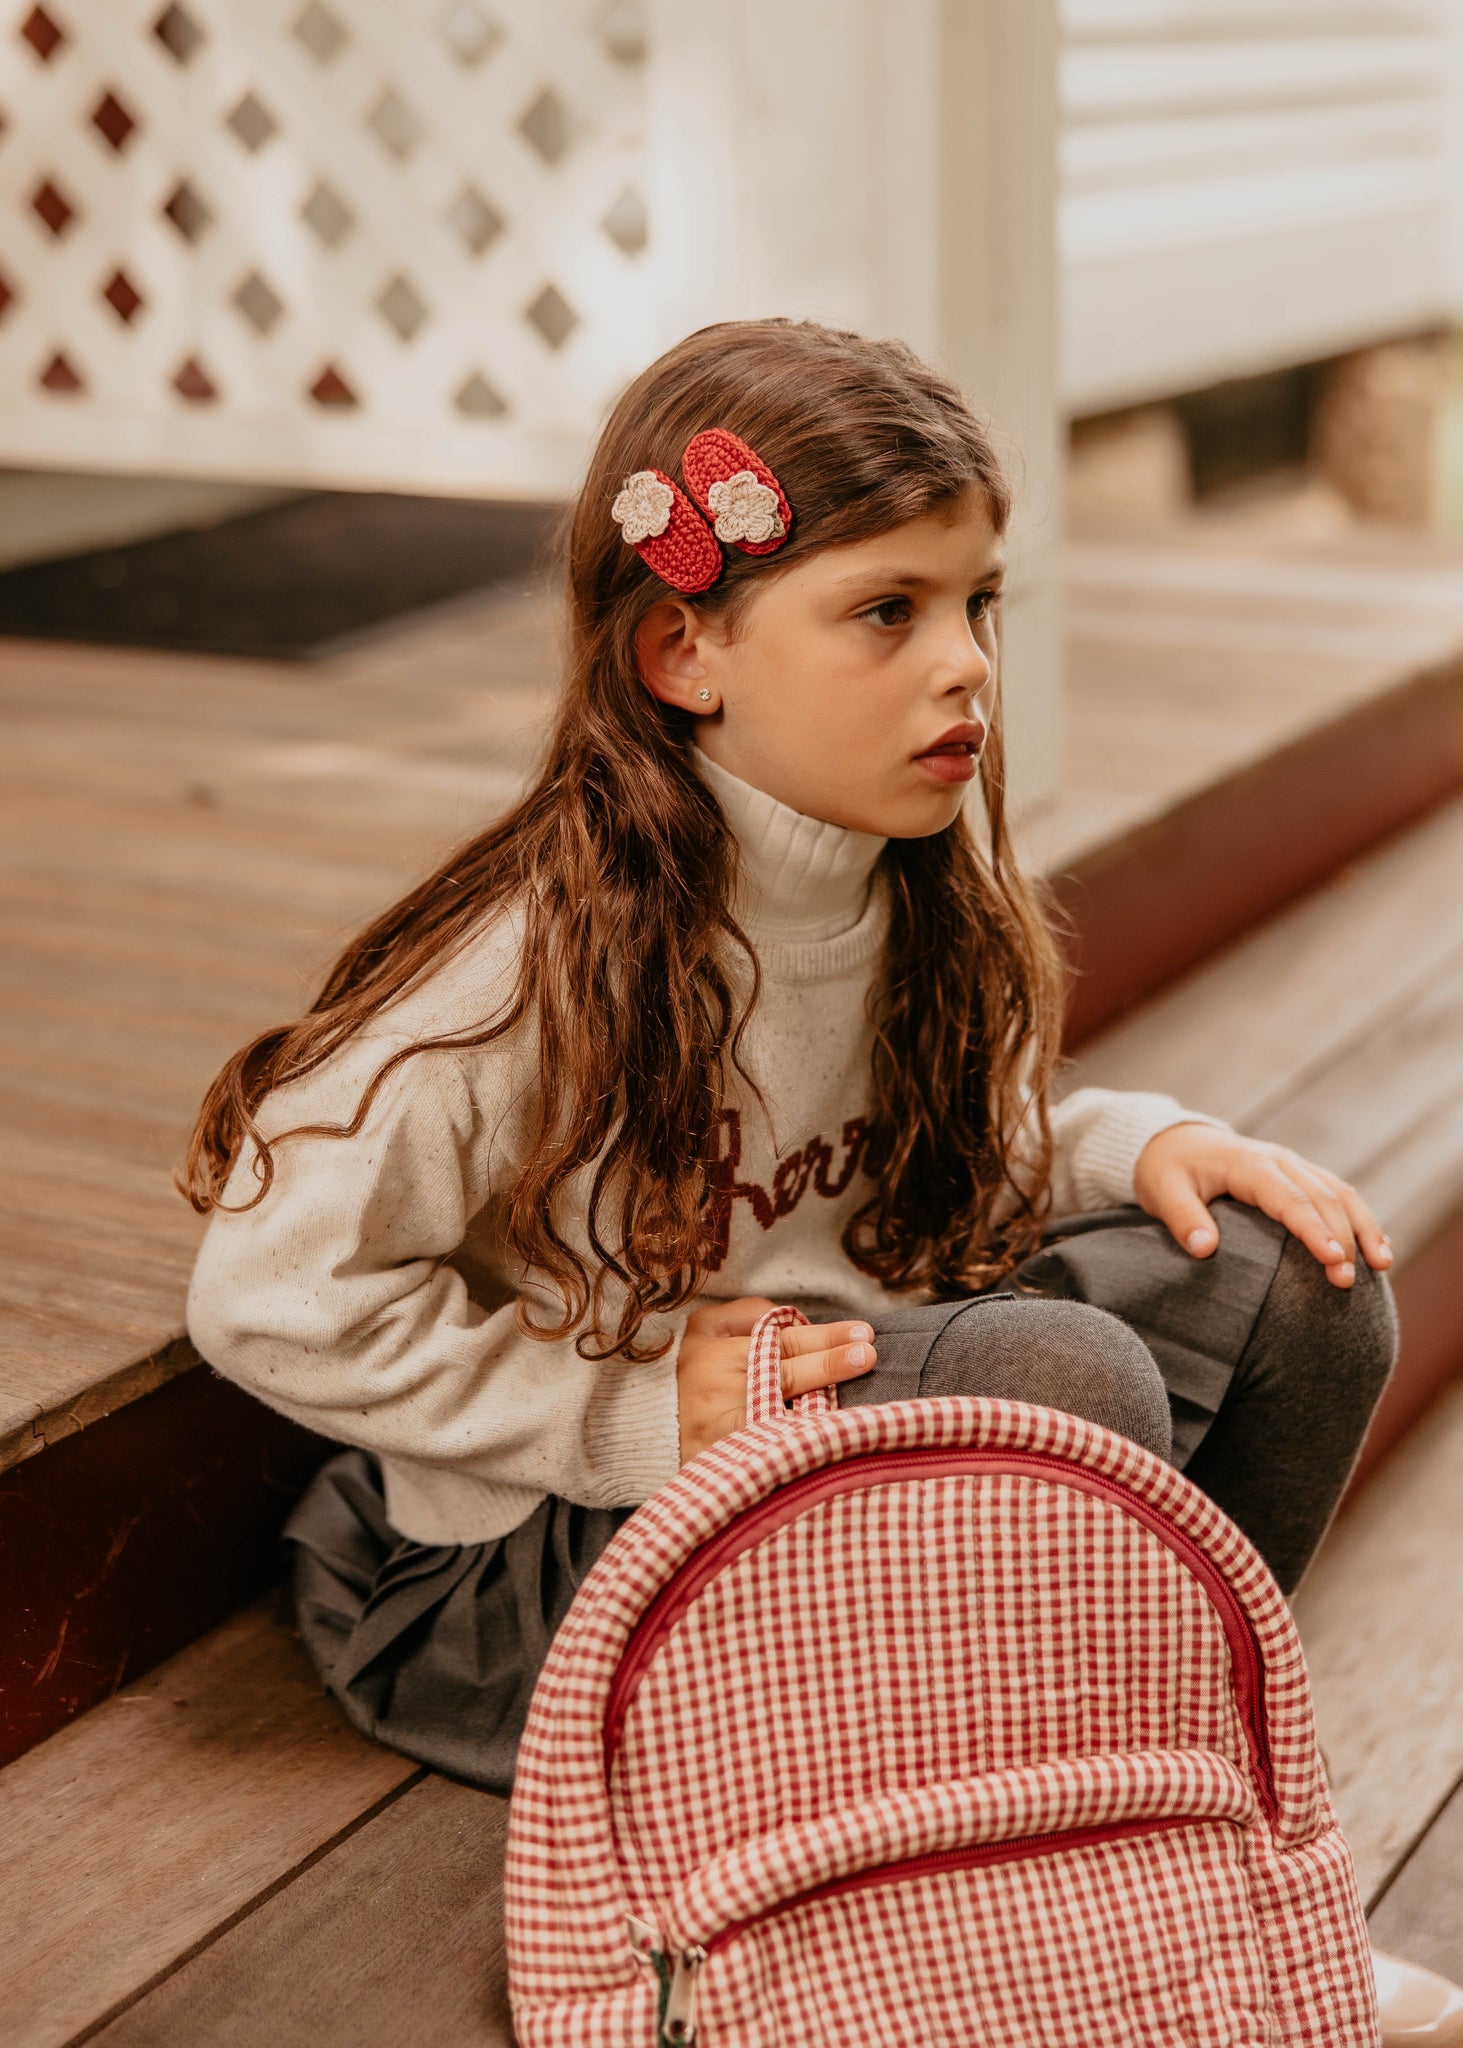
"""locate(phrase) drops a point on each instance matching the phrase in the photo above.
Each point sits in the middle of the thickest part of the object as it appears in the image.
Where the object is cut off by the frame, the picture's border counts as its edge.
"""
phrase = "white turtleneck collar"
(802, 880)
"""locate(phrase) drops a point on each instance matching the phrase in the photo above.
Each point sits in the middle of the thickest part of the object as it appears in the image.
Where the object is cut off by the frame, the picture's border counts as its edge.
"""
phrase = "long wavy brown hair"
(623, 863)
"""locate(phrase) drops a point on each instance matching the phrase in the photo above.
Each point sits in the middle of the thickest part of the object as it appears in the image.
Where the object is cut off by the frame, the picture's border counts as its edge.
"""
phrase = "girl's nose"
(972, 669)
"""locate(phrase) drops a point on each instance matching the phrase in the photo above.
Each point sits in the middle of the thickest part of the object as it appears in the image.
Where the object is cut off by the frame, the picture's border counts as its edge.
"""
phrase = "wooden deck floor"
(185, 845)
(187, 842)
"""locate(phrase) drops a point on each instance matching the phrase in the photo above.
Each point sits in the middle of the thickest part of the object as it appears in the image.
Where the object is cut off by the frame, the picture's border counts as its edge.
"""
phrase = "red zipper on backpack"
(679, 2004)
(937, 1462)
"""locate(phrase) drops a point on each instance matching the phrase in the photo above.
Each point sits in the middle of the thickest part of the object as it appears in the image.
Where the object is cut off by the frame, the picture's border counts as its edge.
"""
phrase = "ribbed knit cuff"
(1103, 1163)
(632, 1427)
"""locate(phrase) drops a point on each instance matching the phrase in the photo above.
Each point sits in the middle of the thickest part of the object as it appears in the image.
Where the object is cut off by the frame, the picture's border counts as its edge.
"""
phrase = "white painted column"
(998, 324)
(887, 165)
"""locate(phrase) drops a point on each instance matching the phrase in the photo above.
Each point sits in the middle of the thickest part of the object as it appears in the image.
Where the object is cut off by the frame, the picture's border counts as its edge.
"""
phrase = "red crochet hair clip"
(732, 486)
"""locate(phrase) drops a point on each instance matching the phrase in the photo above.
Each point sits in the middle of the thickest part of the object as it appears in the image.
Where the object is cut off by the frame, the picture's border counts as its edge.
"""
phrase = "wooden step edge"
(1162, 896)
(48, 1425)
(127, 1540)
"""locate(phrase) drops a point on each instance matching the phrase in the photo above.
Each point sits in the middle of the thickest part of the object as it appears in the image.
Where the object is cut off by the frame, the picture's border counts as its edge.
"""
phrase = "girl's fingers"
(1187, 1217)
(1375, 1246)
(804, 1368)
(1342, 1240)
(800, 1339)
(733, 1318)
(1282, 1194)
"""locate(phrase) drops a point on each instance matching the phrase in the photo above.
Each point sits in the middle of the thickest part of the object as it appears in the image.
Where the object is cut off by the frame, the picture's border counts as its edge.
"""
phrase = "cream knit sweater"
(370, 1295)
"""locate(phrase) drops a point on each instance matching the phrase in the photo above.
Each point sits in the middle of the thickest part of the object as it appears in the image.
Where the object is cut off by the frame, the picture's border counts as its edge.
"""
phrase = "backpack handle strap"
(765, 1402)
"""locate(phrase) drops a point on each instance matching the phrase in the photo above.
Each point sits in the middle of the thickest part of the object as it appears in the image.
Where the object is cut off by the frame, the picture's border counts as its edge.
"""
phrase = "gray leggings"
(1289, 1423)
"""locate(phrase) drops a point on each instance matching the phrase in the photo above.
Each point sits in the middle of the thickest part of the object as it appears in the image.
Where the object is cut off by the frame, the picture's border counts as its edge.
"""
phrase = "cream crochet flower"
(643, 507)
(745, 509)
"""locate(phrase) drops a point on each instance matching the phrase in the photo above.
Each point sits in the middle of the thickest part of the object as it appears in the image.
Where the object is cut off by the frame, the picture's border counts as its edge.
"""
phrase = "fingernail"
(1346, 1270)
(1197, 1240)
(860, 1330)
(857, 1354)
(1332, 1245)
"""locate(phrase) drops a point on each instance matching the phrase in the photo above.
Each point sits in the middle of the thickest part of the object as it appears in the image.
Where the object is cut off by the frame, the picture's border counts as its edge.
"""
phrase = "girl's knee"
(1349, 1333)
(1057, 1354)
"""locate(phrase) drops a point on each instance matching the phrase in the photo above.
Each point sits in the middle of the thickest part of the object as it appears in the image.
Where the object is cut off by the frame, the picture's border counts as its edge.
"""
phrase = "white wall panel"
(1245, 186)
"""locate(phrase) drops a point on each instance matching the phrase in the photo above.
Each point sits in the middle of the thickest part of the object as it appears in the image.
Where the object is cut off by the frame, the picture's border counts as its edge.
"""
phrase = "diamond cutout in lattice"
(401, 306)
(626, 224)
(60, 377)
(477, 220)
(327, 215)
(319, 32)
(394, 125)
(477, 400)
(122, 295)
(44, 35)
(178, 33)
(623, 32)
(469, 33)
(7, 297)
(189, 212)
(553, 316)
(112, 121)
(192, 381)
(330, 388)
(259, 304)
(52, 206)
(252, 122)
(548, 127)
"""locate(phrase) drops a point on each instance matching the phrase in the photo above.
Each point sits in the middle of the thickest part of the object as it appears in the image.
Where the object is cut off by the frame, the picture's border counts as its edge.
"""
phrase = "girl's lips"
(954, 764)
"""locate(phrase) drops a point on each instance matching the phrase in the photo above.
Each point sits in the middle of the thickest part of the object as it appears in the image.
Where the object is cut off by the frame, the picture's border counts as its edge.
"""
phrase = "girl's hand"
(1189, 1164)
(711, 1371)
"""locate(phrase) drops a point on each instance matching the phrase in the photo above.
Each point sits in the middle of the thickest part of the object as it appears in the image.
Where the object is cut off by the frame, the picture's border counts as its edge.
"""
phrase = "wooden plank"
(1145, 909)
(395, 1936)
(1388, 1113)
(138, 1831)
(1238, 1035)
(1378, 1614)
(1421, 1914)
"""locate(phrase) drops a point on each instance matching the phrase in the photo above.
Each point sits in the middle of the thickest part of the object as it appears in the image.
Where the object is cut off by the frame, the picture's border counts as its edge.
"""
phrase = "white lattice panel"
(400, 242)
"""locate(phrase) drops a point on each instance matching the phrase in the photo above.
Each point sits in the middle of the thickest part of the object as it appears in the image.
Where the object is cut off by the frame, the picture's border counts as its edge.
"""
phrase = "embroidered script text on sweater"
(371, 1294)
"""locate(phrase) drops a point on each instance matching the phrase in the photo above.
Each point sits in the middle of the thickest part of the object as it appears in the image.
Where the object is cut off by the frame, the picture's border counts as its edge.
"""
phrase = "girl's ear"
(669, 653)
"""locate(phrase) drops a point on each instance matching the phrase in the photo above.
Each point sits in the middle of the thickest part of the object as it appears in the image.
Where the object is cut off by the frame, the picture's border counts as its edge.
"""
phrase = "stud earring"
(703, 693)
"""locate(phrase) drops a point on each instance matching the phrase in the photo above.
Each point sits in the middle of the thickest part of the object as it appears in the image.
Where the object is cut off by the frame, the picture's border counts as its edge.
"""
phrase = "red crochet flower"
(667, 532)
(737, 491)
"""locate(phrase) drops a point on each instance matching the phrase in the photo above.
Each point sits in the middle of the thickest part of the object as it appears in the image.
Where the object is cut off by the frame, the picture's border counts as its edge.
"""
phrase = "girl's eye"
(981, 603)
(890, 611)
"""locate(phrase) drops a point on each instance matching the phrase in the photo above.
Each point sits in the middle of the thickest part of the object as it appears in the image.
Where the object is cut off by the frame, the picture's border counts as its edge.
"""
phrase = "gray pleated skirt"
(434, 1649)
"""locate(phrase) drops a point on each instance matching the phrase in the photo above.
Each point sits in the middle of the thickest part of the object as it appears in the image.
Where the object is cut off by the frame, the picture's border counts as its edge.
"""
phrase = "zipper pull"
(679, 2023)
(644, 1939)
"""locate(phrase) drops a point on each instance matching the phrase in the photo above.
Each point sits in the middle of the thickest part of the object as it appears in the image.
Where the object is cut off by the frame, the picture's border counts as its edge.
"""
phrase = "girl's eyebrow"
(911, 579)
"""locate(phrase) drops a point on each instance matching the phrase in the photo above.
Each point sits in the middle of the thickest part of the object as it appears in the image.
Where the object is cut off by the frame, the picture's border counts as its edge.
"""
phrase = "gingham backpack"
(939, 1721)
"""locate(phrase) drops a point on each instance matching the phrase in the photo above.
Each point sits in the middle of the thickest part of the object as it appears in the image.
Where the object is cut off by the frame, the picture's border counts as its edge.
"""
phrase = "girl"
(737, 1006)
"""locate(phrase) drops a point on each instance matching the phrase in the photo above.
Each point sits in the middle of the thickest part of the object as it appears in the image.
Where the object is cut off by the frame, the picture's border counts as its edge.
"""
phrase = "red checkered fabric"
(946, 1720)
